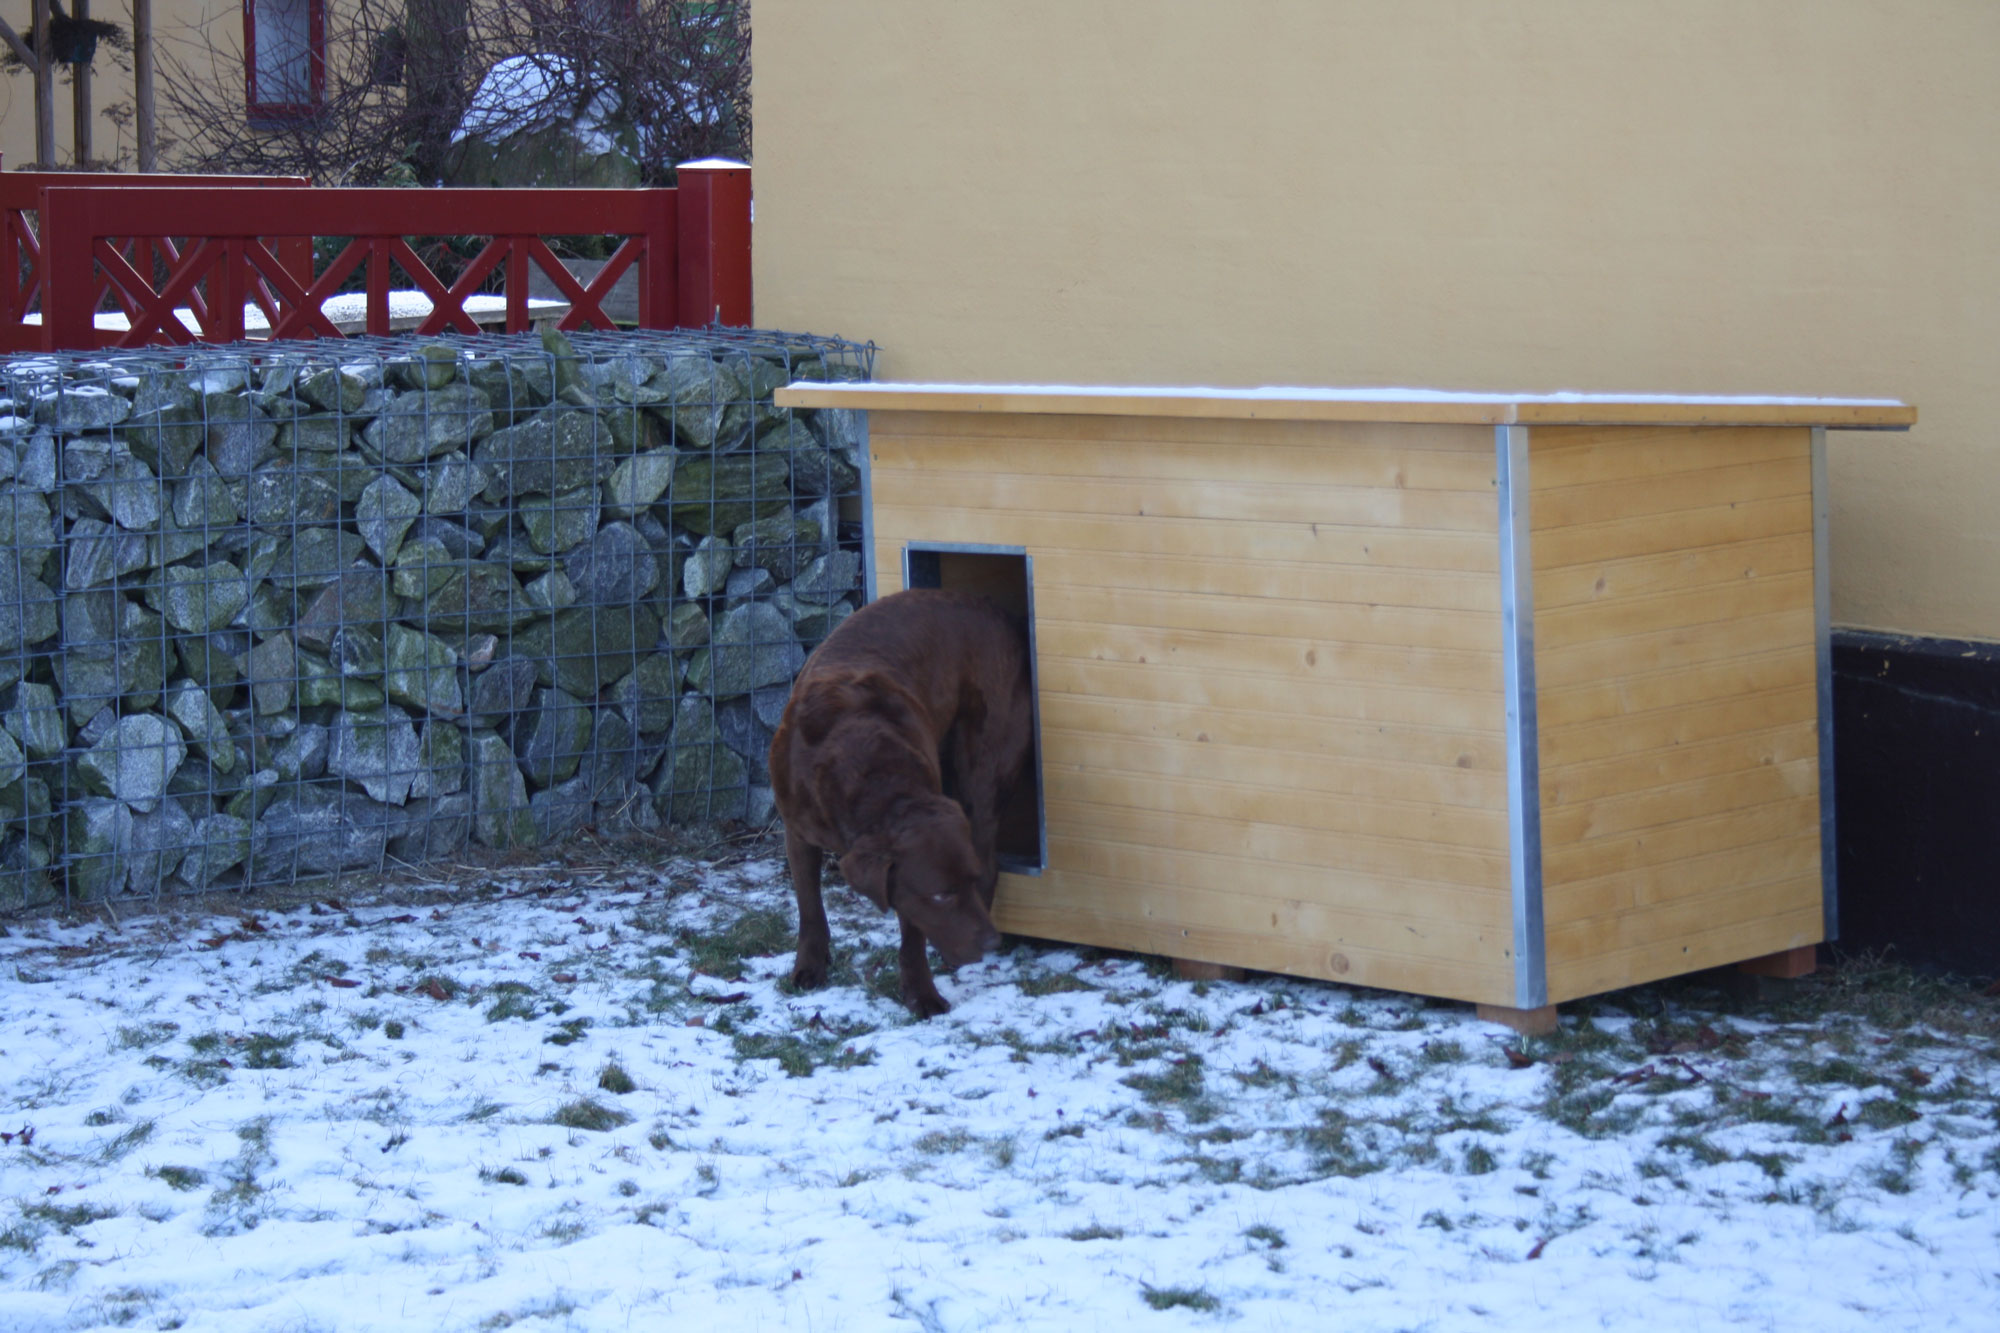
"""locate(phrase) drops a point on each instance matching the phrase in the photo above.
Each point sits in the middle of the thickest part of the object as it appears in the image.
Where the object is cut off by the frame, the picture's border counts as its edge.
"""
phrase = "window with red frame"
(284, 58)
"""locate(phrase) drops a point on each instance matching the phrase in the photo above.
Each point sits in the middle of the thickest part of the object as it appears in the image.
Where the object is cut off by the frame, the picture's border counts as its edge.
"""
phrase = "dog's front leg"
(920, 991)
(815, 943)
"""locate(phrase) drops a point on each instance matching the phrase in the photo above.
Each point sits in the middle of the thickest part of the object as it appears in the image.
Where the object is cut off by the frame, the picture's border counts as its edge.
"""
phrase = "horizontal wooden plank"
(1595, 973)
(1385, 457)
(1655, 498)
(1577, 783)
(1375, 912)
(1579, 713)
(1266, 842)
(1671, 571)
(1349, 405)
(1775, 821)
(1212, 501)
(1269, 617)
(1335, 776)
(1715, 525)
(1321, 663)
(1390, 703)
(1070, 776)
(1582, 457)
(1325, 543)
(1626, 617)
(1649, 886)
(1319, 583)
(1559, 664)
(1612, 816)
(1276, 731)
(1735, 905)
(1048, 908)
(1241, 434)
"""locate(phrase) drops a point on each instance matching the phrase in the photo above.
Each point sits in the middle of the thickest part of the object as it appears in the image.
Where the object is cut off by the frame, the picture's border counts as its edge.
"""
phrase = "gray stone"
(254, 796)
(188, 704)
(503, 689)
(752, 646)
(33, 720)
(199, 601)
(201, 501)
(383, 514)
(760, 806)
(319, 831)
(474, 595)
(514, 387)
(358, 596)
(737, 723)
(434, 829)
(840, 429)
(167, 436)
(96, 554)
(417, 425)
(549, 452)
(747, 585)
(28, 613)
(500, 795)
(134, 762)
(323, 681)
(127, 491)
(695, 396)
(220, 844)
(210, 662)
(708, 567)
(556, 523)
(37, 469)
(302, 757)
(422, 672)
(719, 495)
(584, 649)
(687, 627)
(80, 407)
(778, 544)
(160, 841)
(816, 470)
(770, 703)
(701, 784)
(99, 840)
(440, 761)
(812, 622)
(563, 810)
(638, 482)
(461, 541)
(551, 592)
(313, 557)
(451, 482)
(282, 496)
(422, 567)
(646, 697)
(272, 668)
(13, 764)
(377, 749)
(332, 390)
(238, 436)
(618, 759)
(551, 741)
(432, 367)
(828, 578)
(613, 567)
(315, 434)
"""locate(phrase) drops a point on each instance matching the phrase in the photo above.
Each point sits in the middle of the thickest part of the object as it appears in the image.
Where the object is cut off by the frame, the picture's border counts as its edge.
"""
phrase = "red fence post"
(659, 265)
(69, 290)
(714, 208)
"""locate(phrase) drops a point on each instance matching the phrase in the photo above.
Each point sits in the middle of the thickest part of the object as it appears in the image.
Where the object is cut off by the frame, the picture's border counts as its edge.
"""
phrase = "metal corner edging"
(1829, 847)
(1524, 791)
(868, 588)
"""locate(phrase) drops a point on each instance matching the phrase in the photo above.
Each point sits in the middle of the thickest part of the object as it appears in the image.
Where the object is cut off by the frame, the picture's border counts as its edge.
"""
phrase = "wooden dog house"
(1507, 699)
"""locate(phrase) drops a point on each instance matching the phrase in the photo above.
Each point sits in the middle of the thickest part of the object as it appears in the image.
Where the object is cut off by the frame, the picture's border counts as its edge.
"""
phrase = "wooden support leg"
(1187, 969)
(1787, 964)
(1528, 1022)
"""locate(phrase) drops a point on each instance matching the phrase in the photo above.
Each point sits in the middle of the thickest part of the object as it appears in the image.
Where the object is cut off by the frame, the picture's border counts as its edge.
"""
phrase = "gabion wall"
(292, 609)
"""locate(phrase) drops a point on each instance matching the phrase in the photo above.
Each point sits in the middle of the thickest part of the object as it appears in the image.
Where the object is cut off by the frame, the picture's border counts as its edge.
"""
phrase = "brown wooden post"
(1528, 1022)
(45, 91)
(80, 111)
(713, 204)
(142, 84)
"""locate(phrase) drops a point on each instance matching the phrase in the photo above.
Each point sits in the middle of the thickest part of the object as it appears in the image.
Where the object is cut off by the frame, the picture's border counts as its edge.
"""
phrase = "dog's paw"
(926, 1003)
(809, 974)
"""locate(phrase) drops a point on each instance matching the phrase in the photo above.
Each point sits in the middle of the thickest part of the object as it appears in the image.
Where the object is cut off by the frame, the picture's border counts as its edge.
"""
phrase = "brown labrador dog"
(905, 735)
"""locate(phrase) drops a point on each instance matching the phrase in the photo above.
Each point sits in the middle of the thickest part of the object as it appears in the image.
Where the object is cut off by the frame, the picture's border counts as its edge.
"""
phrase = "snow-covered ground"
(584, 1099)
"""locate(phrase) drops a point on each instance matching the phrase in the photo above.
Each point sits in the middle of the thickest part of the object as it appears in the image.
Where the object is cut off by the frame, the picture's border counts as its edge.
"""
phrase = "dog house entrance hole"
(1004, 576)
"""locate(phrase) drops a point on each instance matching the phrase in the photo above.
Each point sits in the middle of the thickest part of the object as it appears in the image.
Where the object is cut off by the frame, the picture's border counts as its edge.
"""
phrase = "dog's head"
(925, 869)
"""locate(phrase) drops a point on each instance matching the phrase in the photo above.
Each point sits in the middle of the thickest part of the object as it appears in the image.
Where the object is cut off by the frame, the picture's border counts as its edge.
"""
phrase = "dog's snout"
(989, 941)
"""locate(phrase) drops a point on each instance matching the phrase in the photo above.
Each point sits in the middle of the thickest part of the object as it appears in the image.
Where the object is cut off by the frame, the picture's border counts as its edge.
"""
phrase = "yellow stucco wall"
(1797, 196)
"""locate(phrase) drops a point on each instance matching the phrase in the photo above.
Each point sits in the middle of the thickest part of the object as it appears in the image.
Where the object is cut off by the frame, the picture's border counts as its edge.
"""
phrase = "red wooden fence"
(690, 248)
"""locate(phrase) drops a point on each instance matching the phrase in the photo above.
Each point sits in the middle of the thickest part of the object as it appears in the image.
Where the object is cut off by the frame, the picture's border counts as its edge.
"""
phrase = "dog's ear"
(868, 869)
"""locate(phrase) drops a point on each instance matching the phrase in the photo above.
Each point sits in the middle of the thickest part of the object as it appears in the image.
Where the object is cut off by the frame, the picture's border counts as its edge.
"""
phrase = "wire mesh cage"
(280, 610)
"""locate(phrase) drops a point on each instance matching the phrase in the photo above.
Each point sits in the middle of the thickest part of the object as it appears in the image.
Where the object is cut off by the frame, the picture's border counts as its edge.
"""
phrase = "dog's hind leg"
(919, 988)
(809, 967)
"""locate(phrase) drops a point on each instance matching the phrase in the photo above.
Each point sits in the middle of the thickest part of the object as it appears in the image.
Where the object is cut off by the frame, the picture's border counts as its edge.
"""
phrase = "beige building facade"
(1715, 197)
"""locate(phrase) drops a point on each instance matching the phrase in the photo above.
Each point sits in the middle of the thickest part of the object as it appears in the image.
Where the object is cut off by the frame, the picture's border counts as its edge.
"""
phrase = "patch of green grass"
(1337, 1146)
(567, 1033)
(586, 1113)
(1261, 1075)
(1073, 1130)
(1836, 1070)
(144, 1035)
(1046, 981)
(1191, 1298)
(512, 1000)
(941, 1141)
(1886, 1113)
(393, 1030)
(66, 1217)
(21, 1238)
(182, 1178)
(1095, 1231)
(1479, 1160)
(115, 1149)
(799, 1056)
(268, 1050)
(506, 1175)
(1697, 1147)
(1442, 1052)
(1266, 1234)
(438, 985)
(758, 933)
(613, 1079)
